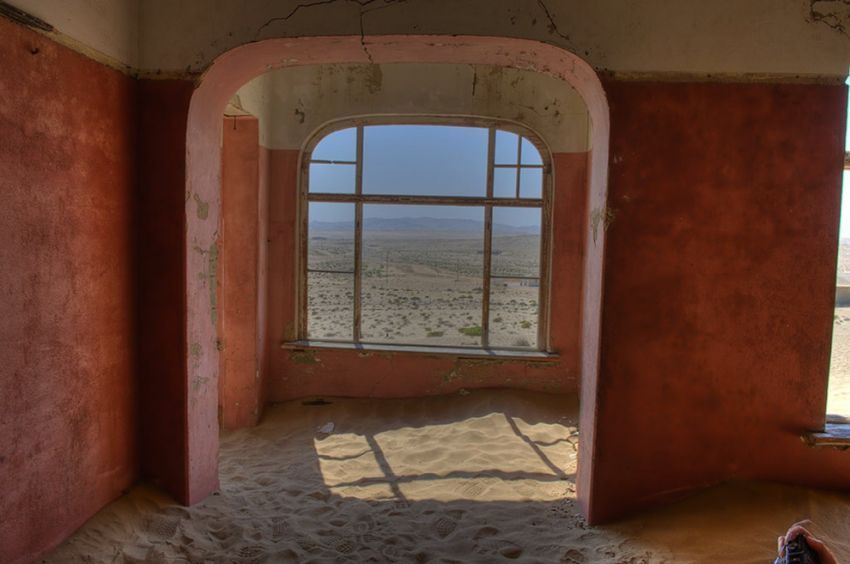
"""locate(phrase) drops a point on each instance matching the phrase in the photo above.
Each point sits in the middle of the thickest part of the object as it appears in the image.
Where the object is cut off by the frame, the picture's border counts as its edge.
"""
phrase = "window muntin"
(444, 253)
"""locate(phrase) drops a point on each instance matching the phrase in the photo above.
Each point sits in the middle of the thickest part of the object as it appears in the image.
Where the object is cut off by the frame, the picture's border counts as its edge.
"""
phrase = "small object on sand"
(326, 429)
(463, 392)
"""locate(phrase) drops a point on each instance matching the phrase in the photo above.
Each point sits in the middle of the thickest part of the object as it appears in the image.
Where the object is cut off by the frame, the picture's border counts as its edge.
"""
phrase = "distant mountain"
(425, 225)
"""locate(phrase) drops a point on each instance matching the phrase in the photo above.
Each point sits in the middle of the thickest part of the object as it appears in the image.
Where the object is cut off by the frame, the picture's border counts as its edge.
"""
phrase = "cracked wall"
(294, 102)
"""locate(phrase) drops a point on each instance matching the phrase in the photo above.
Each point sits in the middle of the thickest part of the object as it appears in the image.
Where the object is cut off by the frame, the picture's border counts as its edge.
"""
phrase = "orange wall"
(68, 417)
(294, 374)
(242, 354)
(719, 287)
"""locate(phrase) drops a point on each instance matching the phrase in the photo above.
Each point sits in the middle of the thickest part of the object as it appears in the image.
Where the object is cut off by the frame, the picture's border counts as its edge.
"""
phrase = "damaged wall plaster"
(293, 102)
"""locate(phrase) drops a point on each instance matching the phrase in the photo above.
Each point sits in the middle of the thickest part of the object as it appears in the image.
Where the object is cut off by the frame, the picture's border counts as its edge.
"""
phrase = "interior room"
(424, 281)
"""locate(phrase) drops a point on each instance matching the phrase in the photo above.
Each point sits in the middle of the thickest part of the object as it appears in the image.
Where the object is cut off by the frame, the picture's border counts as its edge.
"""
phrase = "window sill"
(459, 352)
(836, 434)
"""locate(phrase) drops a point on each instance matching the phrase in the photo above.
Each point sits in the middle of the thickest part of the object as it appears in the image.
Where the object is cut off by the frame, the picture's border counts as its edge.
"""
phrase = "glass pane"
(422, 274)
(330, 242)
(427, 160)
(531, 183)
(504, 182)
(530, 154)
(332, 178)
(337, 146)
(516, 242)
(506, 147)
(330, 306)
(514, 312)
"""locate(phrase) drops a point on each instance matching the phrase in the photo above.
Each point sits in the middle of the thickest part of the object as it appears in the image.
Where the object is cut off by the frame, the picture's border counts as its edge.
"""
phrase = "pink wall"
(68, 422)
(719, 281)
(295, 374)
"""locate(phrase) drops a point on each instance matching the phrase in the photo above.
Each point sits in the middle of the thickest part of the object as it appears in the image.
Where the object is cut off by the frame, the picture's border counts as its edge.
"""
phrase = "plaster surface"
(694, 37)
(107, 30)
(292, 103)
(239, 280)
(68, 416)
(719, 287)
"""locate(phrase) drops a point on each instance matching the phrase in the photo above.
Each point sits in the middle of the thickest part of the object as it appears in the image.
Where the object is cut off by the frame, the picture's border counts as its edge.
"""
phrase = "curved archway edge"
(203, 192)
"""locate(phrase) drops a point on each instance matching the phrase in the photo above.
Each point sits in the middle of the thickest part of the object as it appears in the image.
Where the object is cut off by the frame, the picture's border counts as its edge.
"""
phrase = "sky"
(428, 160)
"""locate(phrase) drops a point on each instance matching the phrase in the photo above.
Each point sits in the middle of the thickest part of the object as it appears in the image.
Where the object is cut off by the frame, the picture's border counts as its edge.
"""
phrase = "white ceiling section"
(293, 102)
(107, 30)
(691, 37)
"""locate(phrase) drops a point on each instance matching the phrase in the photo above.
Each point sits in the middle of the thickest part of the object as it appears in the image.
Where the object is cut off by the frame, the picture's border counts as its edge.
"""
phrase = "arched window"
(426, 234)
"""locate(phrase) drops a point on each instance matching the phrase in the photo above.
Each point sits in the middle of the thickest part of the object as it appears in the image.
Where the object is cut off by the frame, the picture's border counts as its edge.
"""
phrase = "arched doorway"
(203, 188)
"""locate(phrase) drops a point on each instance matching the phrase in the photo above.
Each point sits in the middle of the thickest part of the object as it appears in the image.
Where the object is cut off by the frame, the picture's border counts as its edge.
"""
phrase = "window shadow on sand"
(483, 477)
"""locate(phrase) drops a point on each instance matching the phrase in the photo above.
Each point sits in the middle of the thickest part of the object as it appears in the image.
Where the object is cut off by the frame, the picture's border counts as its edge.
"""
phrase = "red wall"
(67, 380)
(294, 374)
(163, 107)
(242, 348)
(719, 281)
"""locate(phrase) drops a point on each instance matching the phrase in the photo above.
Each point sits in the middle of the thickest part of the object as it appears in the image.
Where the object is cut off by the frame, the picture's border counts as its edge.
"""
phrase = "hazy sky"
(426, 160)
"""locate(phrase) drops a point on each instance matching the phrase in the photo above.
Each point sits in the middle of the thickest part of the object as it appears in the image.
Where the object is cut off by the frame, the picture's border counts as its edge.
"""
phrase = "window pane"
(506, 147)
(531, 183)
(330, 242)
(513, 312)
(530, 154)
(504, 183)
(425, 160)
(516, 242)
(330, 306)
(332, 178)
(337, 146)
(422, 274)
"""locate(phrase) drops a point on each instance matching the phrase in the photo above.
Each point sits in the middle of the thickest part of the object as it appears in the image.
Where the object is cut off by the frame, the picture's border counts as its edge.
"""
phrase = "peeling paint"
(202, 208)
(212, 278)
(304, 357)
(605, 216)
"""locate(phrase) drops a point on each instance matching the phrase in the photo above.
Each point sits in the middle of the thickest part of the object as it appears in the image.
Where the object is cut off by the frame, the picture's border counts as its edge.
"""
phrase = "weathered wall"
(660, 36)
(163, 106)
(292, 103)
(242, 277)
(68, 418)
(107, 30)
(719, 283)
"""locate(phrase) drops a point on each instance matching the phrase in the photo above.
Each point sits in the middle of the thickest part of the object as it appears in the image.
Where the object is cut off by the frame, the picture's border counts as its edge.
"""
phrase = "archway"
(203, 186)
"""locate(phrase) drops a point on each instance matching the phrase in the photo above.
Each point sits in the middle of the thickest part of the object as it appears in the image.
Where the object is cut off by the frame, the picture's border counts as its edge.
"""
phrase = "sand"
(838, 402)
(487, 476)
(425, 291)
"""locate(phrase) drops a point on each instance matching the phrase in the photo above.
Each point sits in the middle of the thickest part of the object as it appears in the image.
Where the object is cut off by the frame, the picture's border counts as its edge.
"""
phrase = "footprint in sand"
(162, 526)
(344, 546)
(573, 556)
(444, 527)
(485, 532)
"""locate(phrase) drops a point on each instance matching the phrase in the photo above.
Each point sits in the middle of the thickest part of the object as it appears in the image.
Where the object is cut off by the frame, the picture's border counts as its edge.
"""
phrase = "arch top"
(234, 68)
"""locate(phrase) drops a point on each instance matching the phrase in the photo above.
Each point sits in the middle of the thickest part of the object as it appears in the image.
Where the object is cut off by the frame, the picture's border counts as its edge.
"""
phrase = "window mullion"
(358, 237)
(518, 164)
(488, 242)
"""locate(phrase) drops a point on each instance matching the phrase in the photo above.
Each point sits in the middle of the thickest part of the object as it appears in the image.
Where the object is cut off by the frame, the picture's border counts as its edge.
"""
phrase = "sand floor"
(484, 477)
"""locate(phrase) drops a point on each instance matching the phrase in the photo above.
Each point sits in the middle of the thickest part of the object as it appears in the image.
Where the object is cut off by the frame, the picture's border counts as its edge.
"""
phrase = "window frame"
(488, 202)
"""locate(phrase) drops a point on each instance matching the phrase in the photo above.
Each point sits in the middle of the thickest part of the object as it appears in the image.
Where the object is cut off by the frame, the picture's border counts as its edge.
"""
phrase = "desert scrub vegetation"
(471, 331)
